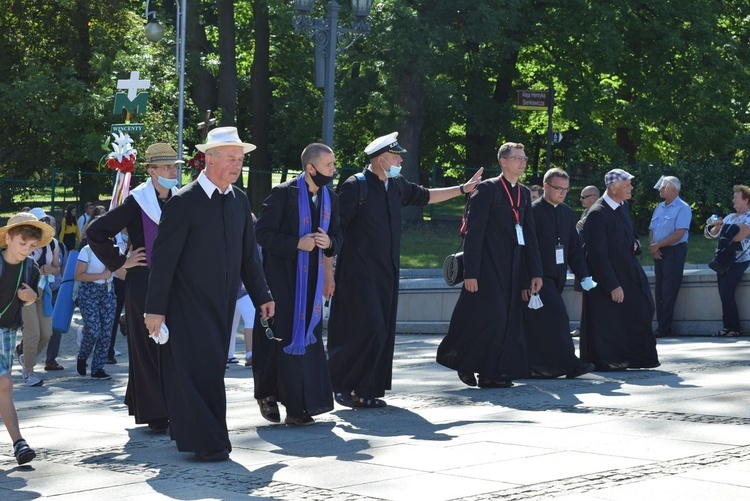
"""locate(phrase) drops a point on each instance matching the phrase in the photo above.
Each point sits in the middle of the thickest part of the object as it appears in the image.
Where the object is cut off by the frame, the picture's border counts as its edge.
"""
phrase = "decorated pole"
(122, 160)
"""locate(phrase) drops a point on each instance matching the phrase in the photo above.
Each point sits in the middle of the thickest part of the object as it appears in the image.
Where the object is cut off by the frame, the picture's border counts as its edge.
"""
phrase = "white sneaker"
(80, 336)
(23, 367)
(31, 379)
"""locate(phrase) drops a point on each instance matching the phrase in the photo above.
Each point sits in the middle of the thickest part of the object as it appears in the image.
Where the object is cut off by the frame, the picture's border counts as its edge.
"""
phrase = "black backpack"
(726, 251)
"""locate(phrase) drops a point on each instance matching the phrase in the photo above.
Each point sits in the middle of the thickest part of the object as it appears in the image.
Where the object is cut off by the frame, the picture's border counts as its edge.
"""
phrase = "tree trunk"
(411, 101)
(202, 84)
(489, 115)
(227, 99)
(627, 145)
(260, 161)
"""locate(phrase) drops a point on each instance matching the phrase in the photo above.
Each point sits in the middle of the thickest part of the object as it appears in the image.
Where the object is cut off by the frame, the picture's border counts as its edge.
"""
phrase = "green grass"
(425, 245)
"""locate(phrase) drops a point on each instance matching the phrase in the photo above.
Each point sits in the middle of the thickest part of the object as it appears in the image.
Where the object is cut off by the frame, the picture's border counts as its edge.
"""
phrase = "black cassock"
(551, 351)
(616, 335)
(362, 325)
(144, 396)
(203, 248)
(486, 329)
(299, 382)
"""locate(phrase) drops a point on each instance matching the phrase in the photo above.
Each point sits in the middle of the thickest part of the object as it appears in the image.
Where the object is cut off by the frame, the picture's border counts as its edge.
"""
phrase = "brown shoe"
(54, 366)
(305, 420)
(269, 410)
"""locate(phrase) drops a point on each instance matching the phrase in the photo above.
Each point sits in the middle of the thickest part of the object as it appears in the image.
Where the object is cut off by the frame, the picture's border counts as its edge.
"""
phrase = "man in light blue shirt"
(668, 235)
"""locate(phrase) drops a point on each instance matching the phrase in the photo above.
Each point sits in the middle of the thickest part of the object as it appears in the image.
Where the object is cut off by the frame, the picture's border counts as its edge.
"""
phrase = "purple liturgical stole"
(150, 229)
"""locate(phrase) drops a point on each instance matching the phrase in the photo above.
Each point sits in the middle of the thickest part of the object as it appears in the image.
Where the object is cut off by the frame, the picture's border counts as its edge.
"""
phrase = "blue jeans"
(97, 303)
(727, 286)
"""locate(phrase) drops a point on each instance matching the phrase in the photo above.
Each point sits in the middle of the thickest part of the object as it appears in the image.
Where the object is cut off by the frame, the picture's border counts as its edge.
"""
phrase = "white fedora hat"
(224, 136)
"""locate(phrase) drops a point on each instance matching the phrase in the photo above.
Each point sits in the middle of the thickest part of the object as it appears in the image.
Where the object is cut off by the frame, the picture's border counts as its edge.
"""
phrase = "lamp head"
(361, 8)
(303, 6)
(154, 30)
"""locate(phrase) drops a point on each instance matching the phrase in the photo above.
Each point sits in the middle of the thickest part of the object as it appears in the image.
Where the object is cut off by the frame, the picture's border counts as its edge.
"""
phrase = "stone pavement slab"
(677, 432)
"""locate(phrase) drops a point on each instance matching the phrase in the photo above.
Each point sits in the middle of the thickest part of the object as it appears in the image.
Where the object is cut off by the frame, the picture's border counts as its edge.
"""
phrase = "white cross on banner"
(133, 84)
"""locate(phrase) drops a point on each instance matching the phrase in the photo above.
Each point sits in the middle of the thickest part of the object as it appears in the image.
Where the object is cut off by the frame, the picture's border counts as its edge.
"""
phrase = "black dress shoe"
(583, 368)
(491, 383)
(159, 425)
(220, 455)
(467, 378)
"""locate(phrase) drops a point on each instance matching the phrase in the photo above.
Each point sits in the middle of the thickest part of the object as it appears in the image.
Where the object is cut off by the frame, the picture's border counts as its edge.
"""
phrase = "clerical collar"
(614, 205)
(553, 205)
(512, 185)
(210, 187)
(369, 167)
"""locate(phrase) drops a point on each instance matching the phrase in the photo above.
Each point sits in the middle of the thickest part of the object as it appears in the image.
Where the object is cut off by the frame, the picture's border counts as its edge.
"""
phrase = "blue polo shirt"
(669, 218)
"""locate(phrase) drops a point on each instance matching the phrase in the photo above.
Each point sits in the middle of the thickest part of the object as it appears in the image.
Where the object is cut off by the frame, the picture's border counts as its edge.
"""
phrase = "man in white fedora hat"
(205, 245)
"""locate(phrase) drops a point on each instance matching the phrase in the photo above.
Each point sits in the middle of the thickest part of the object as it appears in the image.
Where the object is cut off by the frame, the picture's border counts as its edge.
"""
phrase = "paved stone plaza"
(679, 432)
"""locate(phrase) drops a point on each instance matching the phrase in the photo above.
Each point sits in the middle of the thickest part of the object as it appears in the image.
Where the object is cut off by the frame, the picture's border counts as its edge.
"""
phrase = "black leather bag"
(726, 249)
(453, 267)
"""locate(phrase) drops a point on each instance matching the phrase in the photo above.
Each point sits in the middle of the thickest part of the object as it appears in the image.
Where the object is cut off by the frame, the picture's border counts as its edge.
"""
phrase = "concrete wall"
(426, 303)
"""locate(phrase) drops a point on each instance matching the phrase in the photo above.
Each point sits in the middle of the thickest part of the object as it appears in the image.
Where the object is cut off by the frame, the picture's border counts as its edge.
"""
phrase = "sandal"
(722, 333)
(23, 452)
(736, 333)
(346, 401)
(370, 403)
(269, 410)
(467, 378)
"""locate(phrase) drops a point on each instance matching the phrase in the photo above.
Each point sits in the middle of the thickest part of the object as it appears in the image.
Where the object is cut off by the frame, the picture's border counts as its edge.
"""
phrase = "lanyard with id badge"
(514, 208)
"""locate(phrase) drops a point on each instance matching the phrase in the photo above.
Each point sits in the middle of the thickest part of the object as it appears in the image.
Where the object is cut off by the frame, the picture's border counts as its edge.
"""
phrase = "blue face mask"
(394, 172)
(167, 183)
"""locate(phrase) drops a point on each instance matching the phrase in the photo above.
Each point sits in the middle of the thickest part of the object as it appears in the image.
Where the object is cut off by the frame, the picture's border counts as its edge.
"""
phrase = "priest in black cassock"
(550, 346)
(616, 329)
(362, 325)
(140, 213)
(485, 335)
(297, 228)
(206, 243)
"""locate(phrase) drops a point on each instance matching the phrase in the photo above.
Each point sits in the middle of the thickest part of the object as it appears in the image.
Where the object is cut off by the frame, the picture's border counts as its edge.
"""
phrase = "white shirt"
(94, 265)
(210, 187)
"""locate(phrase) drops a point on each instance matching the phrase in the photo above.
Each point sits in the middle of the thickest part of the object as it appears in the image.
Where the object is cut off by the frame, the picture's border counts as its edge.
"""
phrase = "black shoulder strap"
(28, 265)
(362, 182)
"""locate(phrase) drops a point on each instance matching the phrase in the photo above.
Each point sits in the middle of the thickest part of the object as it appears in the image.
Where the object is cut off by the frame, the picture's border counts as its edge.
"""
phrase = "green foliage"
(662, 83)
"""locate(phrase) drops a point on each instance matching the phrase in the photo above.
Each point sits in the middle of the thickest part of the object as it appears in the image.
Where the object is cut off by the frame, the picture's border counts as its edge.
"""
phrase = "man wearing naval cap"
(362, 326)
(616, 322)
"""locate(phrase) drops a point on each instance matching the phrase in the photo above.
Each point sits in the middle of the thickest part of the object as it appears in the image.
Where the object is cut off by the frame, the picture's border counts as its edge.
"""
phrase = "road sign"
(532, 100)
(557, 137)
(127, 128)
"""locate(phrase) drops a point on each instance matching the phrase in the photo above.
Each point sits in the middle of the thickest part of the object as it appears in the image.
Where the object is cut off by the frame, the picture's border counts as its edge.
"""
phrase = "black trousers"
(668, 271)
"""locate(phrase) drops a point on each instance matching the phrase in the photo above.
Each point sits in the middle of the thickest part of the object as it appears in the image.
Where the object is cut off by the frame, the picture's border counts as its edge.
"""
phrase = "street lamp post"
(326, 33)
(154, 33)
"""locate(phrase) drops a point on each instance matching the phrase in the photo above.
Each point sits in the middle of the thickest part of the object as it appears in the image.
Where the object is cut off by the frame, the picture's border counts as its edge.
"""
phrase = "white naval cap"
(383, 144)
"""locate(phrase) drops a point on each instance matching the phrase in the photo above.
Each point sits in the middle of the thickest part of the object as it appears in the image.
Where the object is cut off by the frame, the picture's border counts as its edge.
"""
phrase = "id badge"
(559, 255)
(519, 235)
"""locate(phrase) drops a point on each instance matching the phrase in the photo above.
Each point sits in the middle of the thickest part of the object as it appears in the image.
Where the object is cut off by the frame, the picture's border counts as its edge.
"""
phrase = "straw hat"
(224, 136)
(161, 154)
(25, 218)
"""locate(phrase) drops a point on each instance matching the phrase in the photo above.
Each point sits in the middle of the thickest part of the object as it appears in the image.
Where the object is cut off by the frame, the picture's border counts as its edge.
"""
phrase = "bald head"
(589, 195)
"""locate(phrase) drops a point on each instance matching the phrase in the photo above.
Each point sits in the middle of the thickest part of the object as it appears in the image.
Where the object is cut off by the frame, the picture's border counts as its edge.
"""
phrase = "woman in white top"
(728, 281)
(97, 302)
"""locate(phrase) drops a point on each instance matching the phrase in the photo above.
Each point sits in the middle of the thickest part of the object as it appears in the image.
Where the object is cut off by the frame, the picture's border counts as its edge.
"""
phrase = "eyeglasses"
(560, 189)
(584, 197)
(516, 157)
(269, 331)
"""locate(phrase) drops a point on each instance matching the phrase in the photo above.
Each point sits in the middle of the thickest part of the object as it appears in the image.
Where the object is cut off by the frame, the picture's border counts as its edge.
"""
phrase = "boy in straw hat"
(18, 282)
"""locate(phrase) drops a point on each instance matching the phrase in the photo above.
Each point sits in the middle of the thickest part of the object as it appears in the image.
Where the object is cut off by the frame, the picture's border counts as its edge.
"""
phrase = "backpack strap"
(362, 183)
